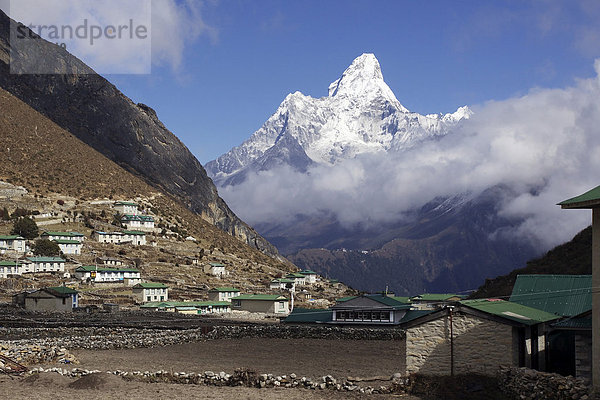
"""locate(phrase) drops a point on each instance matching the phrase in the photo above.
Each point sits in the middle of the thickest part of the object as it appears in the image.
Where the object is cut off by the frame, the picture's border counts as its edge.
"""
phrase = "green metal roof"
(589, 199)
(283, 280)
(414, 314)
(224, 289)
(138, 233)
(45, 259)
(6, 263)
(151, 285)
(564, 295)
(295, 275)
(90, 268)
(12, 237)
(308, 315)
(216, 265)
(511, 311)
(261, 297)
(402, 299)
(125, 203)
(436, 296)
(308, 272)
(343, 299)
(581, 321)
(61, 241)
(390, 301)
(62, 290)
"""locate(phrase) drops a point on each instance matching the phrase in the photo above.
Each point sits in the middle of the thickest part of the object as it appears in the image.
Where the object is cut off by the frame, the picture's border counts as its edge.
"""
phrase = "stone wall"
(299, 332)
(583, 355)
(529, 384)
(480, 346)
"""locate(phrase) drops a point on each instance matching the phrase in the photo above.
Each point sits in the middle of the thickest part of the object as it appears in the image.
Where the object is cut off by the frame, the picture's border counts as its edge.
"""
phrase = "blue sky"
(233, 61)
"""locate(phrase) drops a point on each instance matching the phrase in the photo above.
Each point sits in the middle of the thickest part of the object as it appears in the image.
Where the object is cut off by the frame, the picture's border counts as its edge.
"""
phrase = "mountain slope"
(571, 258)
(360, 115)
(95, 111)
(44, 158)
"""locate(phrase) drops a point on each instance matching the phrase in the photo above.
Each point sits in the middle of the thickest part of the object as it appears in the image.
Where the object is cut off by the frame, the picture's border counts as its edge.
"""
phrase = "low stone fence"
(528, 384)
(305, 332)
(241, 377)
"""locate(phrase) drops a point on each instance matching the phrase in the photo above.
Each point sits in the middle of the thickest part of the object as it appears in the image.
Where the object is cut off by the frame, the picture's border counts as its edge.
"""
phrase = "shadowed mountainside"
(95, 111)
(571, 258)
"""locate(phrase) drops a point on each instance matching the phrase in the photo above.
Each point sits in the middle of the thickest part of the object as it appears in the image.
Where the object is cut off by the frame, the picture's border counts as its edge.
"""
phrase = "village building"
(374, 309)
(282, 283)
(59, 298)
(150, 291)
(69, 246)
(32, 265)
(8, 268)
(569, 343)
(223, 294)
(92, 273)
(453, 339)
(215, 269)
(80, 237)
(428, 301)
(126, 237)
(262, 303)
(189, 307)
(126, 207)
(298, 278)
(138, 222)
(13, 242)
(310, 276)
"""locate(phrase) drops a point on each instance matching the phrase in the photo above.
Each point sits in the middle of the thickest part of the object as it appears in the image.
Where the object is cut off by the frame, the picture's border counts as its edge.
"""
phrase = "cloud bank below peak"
(544, 145)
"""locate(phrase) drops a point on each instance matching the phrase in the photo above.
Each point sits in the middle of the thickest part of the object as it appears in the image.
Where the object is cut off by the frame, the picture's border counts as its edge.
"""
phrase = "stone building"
(13, 242)
(215, 269)
(223, 294)
(149, 291)
(60, 298)
(576, 338)
(51, 235)
(263, 303)
(126, 207)
(476, 336)
(373, 309)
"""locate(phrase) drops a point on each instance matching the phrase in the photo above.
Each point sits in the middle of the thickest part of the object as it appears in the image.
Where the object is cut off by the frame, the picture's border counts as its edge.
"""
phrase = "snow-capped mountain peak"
(360, 115)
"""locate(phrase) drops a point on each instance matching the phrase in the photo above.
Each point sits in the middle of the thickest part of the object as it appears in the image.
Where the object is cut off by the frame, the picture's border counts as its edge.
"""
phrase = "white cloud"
(544, 145)
(164, 30)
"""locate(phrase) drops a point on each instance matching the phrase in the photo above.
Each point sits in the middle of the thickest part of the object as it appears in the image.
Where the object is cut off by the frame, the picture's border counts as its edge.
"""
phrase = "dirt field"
(304, 357)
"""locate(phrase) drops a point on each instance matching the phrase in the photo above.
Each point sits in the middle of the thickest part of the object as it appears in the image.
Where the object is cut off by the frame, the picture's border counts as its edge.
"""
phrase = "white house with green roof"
(9, 267)
(150, 291)
(93, 273)
(215, 269)
(13, 242)
(138, 222)
(282, 283)
(261, 303)
(223, 293)
(69, 246)
(136, 238)
(33, 265)
(126, 207)
(189, 307)
(51, 235)
(299, 278)
(311, 276)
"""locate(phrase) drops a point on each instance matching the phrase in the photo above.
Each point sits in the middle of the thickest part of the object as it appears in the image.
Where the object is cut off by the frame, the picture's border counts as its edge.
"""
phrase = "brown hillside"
(42, 157)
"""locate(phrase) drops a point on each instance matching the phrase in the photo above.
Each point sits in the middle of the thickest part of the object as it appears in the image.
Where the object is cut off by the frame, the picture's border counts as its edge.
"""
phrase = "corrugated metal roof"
(224, 289)
(586, 200)
(309, 315)
(437, 296)
(509, 310)
(414, 314)
(581, 321)
(564, 295)
(262, 297)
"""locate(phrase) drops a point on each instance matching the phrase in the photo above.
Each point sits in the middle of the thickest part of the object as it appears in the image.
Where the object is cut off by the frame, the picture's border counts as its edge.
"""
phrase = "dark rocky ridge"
(91, 108)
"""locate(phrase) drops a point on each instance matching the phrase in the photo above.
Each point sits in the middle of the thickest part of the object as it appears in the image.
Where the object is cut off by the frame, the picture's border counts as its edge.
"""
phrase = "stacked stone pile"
(528, 384)
(240, 377)
(29, 354)
(305, 332)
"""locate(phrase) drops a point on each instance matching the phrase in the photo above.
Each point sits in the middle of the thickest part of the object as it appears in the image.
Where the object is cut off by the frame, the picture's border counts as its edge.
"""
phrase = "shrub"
(25, 227)
(45, 247)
